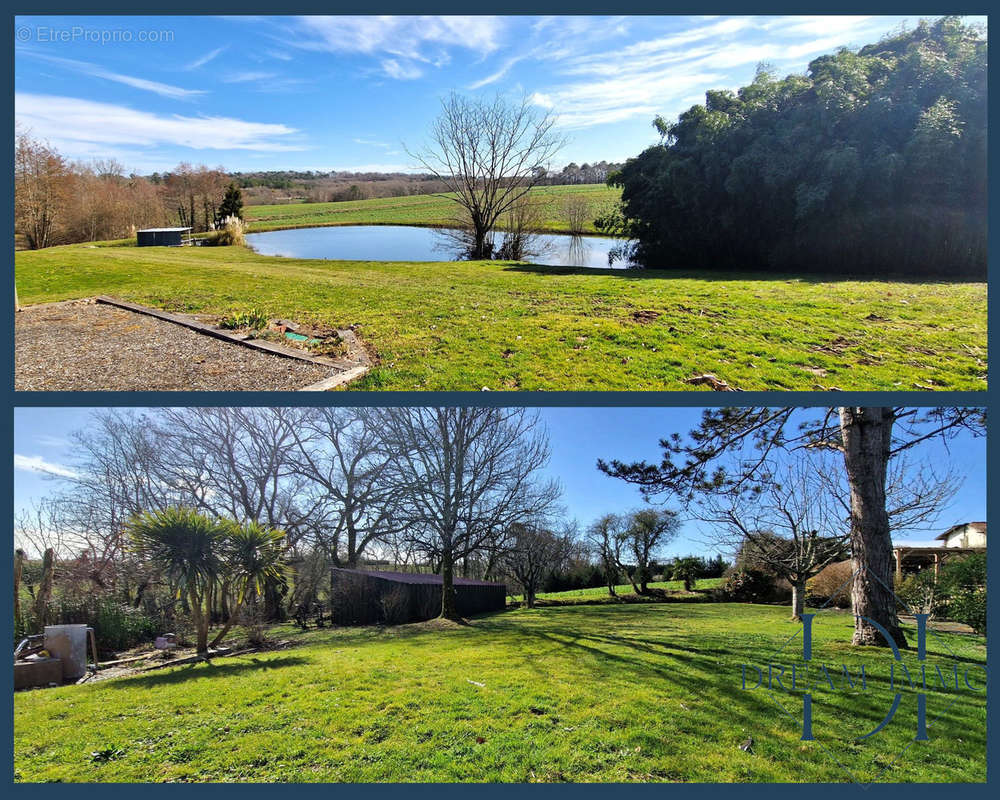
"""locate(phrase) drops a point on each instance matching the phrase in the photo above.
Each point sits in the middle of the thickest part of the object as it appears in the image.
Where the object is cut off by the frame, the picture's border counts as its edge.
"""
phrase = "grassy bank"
(422, 209)
(583, 693)
(500, 325)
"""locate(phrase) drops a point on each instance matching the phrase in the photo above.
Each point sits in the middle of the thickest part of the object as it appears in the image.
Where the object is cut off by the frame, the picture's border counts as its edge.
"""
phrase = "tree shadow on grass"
(640, 274)
(212, 669)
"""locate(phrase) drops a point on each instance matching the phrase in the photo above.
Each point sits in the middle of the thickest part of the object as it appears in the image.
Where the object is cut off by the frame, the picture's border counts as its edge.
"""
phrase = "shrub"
(252, 318)
(919, 592)
(962, 586)
(395, 606)
(117, 626)
(750, 586)
(831, 587)
(576, 210)
(232, 232)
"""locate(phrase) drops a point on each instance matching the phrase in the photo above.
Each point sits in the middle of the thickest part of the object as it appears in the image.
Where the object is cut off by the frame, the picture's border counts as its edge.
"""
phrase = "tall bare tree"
(604, 539)
(489, 154)
(466, 474)
(339, 452)
(794, 524)
(534, 551)
(40, 185)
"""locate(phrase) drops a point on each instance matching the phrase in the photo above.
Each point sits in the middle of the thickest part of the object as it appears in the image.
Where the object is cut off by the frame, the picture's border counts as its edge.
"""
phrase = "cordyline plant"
(200, 555)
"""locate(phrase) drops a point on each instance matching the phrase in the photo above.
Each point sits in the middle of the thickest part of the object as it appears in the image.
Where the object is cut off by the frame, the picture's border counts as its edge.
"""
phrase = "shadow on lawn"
(212, 669)
(638, 274)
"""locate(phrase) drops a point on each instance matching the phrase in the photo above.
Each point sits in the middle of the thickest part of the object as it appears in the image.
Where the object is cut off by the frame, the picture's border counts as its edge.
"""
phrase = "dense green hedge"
(872, 163)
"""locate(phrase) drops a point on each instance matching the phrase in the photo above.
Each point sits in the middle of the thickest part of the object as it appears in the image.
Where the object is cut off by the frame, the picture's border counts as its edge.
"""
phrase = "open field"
(583, 693)
(503, 325)
(423, 209)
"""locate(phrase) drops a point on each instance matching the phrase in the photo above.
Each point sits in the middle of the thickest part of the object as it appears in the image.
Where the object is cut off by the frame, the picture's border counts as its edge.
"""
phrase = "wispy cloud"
(209, 56)
(40, 465)
(51, 441)
(404, 45)
(659, 74)
(75, 125)
(248, 77)
(97, 71)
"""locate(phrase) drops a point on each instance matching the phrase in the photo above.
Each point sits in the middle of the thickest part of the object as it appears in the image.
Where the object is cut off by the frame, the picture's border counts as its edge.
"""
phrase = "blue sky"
(326, 93)
(578, 437)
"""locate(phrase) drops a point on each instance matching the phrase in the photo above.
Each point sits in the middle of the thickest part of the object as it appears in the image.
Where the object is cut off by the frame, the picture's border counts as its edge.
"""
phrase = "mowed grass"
(578, 693)
(626, 589)
(426, 209)
(509, 326)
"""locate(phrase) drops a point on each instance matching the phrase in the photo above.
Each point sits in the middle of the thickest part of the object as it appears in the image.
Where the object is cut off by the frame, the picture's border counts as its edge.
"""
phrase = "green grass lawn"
(508, 326)
(578, 693)
(624, 589)
(422, 209)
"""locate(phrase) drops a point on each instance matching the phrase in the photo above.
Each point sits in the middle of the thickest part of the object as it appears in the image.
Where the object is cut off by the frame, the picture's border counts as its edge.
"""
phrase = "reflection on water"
(405, 243)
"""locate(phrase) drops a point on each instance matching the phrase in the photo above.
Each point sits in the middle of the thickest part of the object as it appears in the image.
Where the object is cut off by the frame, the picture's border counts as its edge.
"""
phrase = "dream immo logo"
(783, 679)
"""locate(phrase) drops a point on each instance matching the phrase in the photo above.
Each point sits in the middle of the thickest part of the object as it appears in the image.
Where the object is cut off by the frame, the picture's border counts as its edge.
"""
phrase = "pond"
(406, 243)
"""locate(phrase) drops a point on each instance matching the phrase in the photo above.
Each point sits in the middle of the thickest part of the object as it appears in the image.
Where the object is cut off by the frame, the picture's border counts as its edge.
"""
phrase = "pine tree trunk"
(449, 609)
(867, 437)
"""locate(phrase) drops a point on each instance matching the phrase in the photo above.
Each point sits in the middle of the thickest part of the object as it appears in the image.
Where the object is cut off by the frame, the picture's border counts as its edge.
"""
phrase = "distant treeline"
(871, 163)
(292, 186)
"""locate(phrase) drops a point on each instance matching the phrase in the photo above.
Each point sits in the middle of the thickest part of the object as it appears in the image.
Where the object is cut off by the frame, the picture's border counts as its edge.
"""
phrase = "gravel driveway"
(82, 345)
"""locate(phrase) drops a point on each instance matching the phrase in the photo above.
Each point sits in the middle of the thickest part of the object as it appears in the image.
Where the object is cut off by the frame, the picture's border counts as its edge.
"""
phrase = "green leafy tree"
(687, 569)
(872, 162)
(232, 203)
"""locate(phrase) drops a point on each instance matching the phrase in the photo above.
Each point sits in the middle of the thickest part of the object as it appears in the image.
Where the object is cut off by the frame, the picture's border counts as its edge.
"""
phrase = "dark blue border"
(555, 399)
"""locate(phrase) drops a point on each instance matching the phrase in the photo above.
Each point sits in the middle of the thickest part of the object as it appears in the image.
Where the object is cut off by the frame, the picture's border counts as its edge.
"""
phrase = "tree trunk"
(867, 437)
(200, 619)
(798, 599)
(449, 610)
(529, 597)
(18, 566)
(45, 588)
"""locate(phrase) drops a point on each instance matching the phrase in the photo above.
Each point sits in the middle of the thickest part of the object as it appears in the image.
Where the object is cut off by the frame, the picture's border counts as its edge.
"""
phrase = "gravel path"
(86, 346)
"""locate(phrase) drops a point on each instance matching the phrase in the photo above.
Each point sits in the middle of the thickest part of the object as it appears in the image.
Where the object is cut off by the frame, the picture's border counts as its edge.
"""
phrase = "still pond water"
(406, 243)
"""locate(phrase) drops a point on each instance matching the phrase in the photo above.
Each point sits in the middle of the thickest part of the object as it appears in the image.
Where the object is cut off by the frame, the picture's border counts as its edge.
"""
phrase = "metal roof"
(162, 230)
(414, 577)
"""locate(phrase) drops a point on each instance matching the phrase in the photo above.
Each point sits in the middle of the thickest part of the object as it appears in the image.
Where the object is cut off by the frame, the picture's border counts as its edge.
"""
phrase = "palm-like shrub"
(252, 556)
(186, 547)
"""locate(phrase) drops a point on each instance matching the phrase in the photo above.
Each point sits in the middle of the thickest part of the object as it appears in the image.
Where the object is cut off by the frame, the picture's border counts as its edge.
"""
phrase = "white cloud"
(405, 71)
(80, 127)
(209, 56)
(401, 43)
(248, 77)
(39, 464)
(97, 71)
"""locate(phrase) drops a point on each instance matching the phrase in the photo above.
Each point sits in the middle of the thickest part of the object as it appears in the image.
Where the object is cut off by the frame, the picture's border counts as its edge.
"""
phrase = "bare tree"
(489, 154)
(535, 551)
(39, 190)
(794, 524)
(604, 538)
(339, 451)
(464, 475)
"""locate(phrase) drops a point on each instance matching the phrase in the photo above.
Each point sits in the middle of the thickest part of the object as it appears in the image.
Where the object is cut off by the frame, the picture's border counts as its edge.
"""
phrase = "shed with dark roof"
(363, 597)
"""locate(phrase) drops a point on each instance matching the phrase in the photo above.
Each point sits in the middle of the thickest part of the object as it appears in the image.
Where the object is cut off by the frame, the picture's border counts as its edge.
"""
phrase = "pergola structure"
(919, 558)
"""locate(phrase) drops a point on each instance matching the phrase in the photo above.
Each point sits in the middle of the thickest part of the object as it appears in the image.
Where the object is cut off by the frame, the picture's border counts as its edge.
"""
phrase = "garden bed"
(105, 344)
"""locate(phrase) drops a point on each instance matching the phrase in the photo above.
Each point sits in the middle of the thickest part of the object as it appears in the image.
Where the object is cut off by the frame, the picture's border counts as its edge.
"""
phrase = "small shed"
(363, 597)
(162, 237)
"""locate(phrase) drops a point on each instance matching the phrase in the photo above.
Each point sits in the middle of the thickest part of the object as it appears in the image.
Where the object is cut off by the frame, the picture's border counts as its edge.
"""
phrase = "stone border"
(356, 364)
